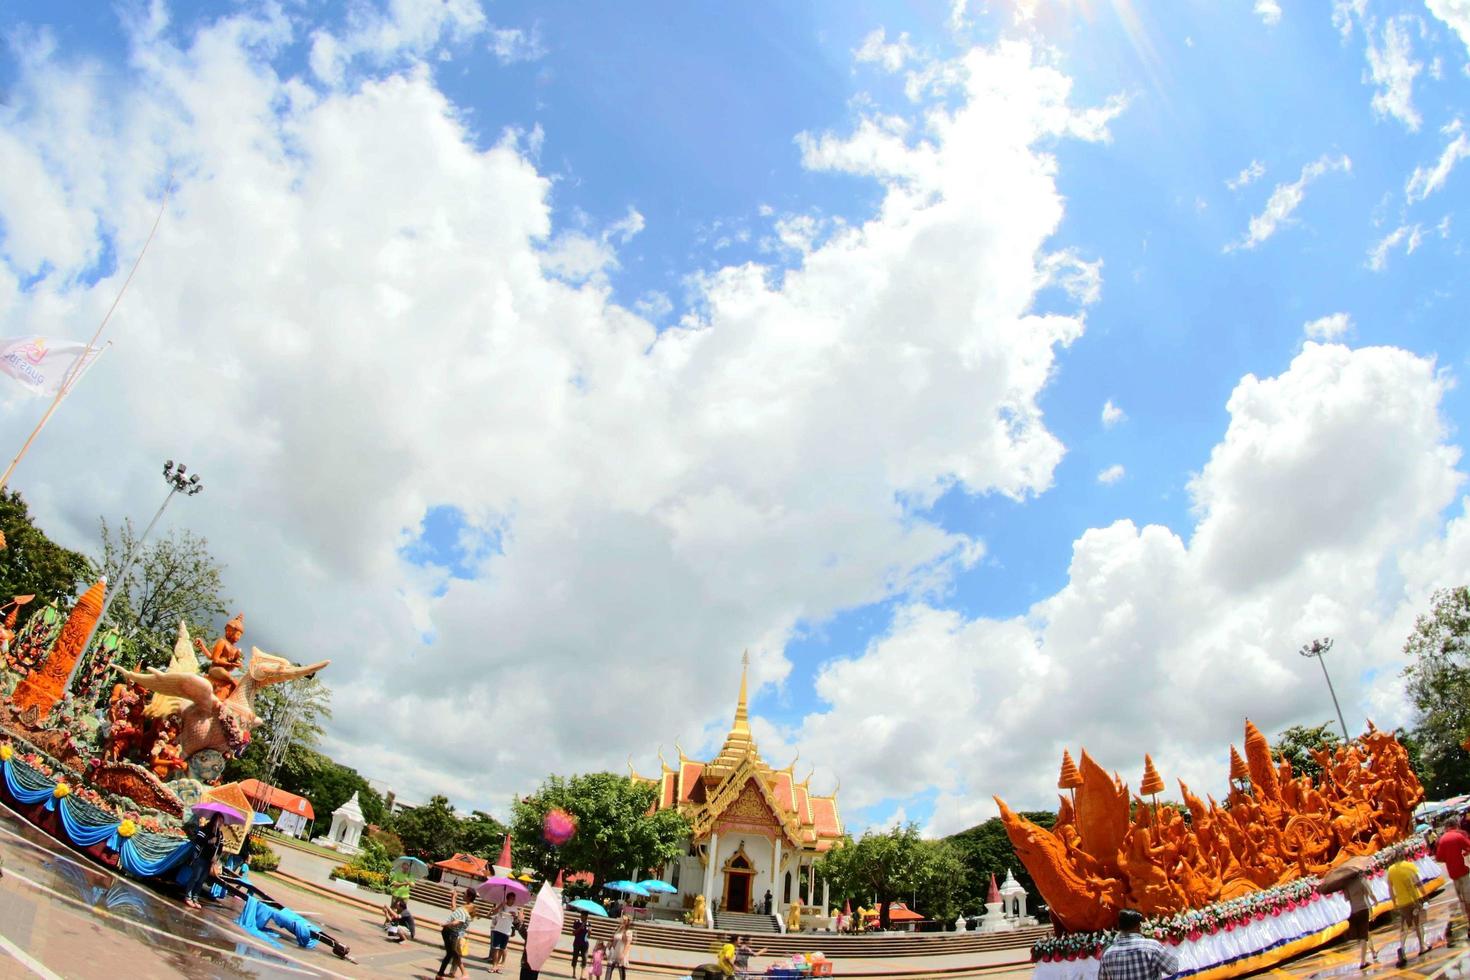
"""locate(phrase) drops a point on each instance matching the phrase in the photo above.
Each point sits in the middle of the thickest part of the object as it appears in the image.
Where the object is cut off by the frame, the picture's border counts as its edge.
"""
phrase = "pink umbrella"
(503, 891)
(545, 927)
(229, 813)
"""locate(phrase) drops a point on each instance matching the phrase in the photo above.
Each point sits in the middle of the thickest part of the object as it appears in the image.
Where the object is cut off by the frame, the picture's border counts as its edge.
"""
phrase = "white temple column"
(709, 878)
(777, 882)
(826, 896)
(811, 885)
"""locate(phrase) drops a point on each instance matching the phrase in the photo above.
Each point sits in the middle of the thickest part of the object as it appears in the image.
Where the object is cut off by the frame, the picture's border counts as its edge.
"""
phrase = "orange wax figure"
(167, 757)
(225, 658)
(1113, 849)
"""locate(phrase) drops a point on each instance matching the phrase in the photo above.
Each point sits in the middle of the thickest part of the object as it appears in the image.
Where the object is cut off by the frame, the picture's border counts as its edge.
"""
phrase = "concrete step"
(746, 922)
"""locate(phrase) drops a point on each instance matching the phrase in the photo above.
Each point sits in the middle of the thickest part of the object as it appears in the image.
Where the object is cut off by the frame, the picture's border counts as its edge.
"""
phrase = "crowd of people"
(608, 957)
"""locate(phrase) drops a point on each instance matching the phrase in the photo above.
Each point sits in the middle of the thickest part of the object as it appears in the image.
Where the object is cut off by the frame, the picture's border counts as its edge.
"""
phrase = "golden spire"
(742, 713)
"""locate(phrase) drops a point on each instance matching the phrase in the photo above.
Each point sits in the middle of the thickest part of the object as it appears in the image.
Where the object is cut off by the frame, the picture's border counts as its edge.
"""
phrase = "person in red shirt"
(1451, 850)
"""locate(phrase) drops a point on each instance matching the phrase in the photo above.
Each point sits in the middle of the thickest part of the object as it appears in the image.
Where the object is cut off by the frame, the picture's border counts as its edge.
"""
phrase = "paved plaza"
(61, 916)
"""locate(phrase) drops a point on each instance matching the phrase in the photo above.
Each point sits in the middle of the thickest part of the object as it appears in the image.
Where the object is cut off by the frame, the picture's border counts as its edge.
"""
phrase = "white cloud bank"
(1392, 68)
(1318, 513)
(355, 311)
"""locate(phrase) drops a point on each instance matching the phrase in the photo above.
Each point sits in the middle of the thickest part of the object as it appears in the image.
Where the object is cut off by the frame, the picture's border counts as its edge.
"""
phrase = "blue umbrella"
(627, 888)
(659, 887)
(588, 906)
(263, 818)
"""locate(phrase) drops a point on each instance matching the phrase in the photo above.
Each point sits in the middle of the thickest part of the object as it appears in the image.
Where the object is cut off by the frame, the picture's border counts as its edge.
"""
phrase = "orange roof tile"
(258, 793)
(824, 813)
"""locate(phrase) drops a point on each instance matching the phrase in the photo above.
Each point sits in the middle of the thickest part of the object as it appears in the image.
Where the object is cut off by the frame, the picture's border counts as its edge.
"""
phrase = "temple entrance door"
(739, 873)
(737, 891)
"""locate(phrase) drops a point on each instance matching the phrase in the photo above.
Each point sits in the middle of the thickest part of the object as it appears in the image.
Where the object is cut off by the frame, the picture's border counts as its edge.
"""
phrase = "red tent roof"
(899, 912)
(264, 793)
(466, 864)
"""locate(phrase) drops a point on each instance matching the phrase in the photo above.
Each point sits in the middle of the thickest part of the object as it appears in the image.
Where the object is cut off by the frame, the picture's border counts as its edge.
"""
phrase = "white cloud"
(1285, 199)
(1343, 14)
(1252, 172)
(1454, 13)
(1269, 12)
(1426, 180)
(1330, 327)
(1392, 69)
(658, 500)
(1408, 236)
(877, 49)
(1111, 475)
(511, 45)
(1318, 513)
(407, 30)
(1112, 414)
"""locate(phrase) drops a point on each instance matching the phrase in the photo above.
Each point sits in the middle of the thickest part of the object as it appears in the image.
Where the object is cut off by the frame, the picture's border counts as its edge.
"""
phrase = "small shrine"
(348, 824)
(756, 831)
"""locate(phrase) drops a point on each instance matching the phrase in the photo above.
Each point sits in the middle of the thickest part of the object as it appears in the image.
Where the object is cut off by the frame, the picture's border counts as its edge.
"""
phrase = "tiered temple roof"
(704, 791)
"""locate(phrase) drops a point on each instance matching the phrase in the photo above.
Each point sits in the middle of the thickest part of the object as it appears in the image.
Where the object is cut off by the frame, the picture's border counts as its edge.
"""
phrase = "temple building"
(755, 828)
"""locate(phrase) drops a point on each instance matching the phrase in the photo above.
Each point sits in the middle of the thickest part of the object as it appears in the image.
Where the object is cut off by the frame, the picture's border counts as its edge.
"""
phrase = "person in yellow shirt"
(727, 957)
(1408, 901)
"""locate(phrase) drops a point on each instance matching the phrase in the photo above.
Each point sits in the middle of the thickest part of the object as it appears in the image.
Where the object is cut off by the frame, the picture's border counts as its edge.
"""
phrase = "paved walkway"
(61, 916)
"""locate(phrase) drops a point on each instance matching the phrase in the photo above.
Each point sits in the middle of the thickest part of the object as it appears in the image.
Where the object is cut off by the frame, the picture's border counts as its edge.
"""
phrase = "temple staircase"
(746, 923)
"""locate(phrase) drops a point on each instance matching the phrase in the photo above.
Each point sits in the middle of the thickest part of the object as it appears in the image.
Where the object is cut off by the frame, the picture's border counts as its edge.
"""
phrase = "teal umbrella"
(588, 906)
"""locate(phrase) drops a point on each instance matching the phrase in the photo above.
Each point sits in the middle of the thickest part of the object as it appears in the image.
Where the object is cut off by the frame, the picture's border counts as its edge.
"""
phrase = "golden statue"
(1276, 827)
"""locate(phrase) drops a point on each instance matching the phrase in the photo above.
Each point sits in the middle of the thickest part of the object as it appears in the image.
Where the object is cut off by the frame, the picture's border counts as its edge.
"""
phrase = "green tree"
(33, 564)
(943, 885)
(986, 850)
(618, 830)
(1439, 686)
(881, 866)
(429, 832)
(481, 835)
(171, 578)
(1298, 742)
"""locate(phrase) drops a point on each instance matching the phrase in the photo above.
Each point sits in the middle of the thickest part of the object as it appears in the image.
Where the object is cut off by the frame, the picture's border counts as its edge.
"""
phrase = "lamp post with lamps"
(1316, 649)
(179, 480)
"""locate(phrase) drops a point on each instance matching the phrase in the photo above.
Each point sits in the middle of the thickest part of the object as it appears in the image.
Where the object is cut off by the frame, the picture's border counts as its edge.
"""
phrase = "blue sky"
(690, 116)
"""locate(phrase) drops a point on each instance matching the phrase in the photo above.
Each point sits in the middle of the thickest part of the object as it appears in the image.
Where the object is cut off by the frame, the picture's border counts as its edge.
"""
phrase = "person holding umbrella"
(502, 924)
(1360, 912)
(207, 838)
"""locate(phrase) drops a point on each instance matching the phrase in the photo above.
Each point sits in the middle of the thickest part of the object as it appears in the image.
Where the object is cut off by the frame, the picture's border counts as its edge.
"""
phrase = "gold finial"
(808, 780)
(679, 749)
(662, 764)
(792, 768)
(742, 712)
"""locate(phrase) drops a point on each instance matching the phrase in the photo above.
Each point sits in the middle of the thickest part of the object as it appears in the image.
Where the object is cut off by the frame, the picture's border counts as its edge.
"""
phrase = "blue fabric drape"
(83, 833)
(152, 855)
(16, 784)
(256, 916)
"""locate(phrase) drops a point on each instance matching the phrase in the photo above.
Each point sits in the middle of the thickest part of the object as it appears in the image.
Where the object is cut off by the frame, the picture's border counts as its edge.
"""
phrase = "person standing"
(766, 904)
(502, 924)
(207, 838)
(453, 932)
(1360, 913)
(1408, 900)
(1133, 956)
(1450, 851)
(622, 948)
(580, 942)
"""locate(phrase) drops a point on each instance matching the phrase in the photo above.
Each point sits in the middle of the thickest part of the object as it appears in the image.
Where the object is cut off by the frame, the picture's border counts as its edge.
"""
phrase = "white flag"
(42, 365)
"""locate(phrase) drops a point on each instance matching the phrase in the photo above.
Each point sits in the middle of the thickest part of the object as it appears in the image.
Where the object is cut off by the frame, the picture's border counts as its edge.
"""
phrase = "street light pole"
(178, 482)
(1316, 649)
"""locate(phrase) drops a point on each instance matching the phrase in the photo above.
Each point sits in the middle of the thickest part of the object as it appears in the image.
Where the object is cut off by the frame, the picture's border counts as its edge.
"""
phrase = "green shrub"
(372, 857)
(261, 857)
(373, 880)
(391, 844)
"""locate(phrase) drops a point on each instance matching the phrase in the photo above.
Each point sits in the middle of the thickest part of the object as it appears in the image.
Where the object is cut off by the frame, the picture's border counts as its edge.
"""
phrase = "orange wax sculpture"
(1153, 783)
(43, 687)
(1070, 778)
(1098, 859)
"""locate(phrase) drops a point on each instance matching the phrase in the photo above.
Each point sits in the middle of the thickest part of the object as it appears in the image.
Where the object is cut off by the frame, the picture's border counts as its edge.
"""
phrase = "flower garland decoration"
(6, 751)
(1195, 924)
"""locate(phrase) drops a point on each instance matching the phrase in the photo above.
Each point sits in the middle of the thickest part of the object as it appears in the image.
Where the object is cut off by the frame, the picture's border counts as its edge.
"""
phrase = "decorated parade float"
(1231, 887)
(114, 763)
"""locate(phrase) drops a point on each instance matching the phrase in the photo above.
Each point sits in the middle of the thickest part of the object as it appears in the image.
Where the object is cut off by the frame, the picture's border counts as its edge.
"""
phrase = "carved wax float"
(1275, 827)
(212, 728)
(43, 687)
